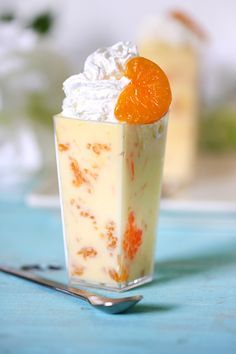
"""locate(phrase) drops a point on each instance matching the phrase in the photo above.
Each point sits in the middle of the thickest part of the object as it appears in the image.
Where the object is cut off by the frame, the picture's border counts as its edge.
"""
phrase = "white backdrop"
(84, 25)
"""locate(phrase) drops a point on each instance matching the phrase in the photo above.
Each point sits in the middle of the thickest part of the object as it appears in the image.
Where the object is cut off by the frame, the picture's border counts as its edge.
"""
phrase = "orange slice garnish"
(147, 97)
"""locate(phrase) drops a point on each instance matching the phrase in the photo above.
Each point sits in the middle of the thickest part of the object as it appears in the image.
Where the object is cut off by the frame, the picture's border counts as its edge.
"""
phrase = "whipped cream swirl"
(92, 95)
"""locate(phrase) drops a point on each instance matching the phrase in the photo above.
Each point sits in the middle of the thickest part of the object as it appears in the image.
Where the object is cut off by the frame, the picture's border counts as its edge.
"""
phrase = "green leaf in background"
(7, 17)
(38, 108)
(218, 130)
(42, 23)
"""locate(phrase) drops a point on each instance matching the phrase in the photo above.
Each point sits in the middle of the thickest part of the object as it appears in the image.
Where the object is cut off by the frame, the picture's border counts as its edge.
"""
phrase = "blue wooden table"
(189, 308)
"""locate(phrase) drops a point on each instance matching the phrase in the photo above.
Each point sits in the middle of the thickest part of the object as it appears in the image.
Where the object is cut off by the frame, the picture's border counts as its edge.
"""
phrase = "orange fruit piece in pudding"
(147, 97)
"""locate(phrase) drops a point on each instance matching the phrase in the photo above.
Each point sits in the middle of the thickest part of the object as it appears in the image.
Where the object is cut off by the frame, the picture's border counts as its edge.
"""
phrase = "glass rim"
(163, 118)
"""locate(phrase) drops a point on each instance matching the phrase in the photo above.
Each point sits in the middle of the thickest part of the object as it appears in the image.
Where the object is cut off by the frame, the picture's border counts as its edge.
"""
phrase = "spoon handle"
(82, 294)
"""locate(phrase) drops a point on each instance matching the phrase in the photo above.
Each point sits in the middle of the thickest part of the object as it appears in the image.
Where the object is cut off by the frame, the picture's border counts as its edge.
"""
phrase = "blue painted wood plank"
(189, 308)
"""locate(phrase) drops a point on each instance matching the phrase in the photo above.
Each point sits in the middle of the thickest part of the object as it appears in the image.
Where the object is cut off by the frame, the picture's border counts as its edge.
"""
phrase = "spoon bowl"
(114, 306)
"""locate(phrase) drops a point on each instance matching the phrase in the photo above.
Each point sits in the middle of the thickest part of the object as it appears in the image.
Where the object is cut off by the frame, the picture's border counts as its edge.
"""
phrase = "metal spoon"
(105, 304)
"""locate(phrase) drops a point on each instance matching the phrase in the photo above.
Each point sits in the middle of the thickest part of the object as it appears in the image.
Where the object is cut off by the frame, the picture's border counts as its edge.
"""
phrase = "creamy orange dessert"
(110, 142)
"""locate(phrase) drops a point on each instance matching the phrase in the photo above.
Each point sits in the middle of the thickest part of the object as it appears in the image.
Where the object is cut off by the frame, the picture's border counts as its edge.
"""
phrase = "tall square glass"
(110, 182)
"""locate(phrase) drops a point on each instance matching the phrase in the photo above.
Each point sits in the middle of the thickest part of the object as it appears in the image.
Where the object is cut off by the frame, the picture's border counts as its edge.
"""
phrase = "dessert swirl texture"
(92, 95)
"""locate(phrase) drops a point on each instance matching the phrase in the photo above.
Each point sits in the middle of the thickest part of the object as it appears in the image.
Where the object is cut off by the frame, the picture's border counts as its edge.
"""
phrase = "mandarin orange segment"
(63, 147)
(78, 176)
(147, 97)
(87, 252)
(132, 237)
(120, 276)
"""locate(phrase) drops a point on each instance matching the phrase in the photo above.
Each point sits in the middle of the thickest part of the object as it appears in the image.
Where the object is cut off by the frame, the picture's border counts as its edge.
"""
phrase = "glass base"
(117, 288)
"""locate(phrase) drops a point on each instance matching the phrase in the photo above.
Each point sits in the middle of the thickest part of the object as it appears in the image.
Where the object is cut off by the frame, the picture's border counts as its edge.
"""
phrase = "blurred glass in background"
(174, 41)
(43, 42)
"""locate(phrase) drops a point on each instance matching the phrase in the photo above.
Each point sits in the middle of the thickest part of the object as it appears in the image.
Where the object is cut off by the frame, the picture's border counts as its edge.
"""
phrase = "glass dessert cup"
(110, 183)
(181, 63)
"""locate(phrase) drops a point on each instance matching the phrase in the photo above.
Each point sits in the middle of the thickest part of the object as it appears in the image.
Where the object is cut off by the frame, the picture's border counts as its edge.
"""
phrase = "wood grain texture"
(189, 308)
